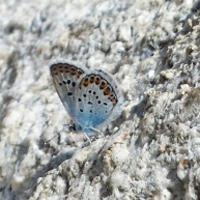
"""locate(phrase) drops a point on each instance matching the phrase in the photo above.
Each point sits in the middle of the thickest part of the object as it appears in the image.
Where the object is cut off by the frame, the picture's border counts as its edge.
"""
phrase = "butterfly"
(91, 97)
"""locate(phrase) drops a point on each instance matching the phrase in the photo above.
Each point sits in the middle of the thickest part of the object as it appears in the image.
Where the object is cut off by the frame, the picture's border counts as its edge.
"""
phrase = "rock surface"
(152, 151)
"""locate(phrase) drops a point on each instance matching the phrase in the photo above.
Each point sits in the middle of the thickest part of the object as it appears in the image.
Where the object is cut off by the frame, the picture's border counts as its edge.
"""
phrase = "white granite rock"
(151, 151)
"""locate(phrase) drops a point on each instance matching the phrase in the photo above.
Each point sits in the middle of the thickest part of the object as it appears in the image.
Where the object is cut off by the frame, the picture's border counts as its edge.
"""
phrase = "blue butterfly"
(91, 97)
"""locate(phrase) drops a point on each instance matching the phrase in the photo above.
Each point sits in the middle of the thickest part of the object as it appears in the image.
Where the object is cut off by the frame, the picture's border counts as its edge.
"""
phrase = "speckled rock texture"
(151, 151)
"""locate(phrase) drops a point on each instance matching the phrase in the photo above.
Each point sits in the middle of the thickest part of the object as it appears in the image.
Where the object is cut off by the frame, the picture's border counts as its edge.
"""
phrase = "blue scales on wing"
(66, 77)
(95, 100)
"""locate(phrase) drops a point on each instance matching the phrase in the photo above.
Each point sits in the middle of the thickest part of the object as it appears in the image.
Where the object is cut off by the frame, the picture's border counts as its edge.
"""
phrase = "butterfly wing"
(97, 99)
(66, 78)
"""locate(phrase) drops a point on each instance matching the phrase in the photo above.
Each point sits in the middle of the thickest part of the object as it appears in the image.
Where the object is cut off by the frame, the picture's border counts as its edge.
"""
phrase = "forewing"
(66, 78)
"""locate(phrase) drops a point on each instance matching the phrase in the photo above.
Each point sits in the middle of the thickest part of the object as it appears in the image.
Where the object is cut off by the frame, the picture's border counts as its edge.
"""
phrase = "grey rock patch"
(151, 151)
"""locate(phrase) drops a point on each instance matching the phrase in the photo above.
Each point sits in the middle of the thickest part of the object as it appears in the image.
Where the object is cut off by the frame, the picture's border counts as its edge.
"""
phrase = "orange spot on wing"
(106, 92)
(73, 73)
(67, 67)
(97, 80)
(79, 73)
(92, 79)
(112, 100)
(102, 86)
(73, 70)
(86, 82)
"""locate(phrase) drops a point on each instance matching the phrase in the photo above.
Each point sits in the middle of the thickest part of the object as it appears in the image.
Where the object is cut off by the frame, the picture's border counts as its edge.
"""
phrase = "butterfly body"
(91, 98)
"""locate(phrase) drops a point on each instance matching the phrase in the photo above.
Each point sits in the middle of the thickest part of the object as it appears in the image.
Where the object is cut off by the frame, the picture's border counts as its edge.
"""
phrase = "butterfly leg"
(87, 137)
(96, 130)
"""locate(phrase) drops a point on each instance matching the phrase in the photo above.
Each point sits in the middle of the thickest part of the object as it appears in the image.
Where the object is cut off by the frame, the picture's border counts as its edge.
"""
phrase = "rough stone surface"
(152, 151)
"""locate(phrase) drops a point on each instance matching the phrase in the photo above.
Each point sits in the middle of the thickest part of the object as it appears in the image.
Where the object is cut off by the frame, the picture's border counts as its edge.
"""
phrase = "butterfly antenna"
(96, 130)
